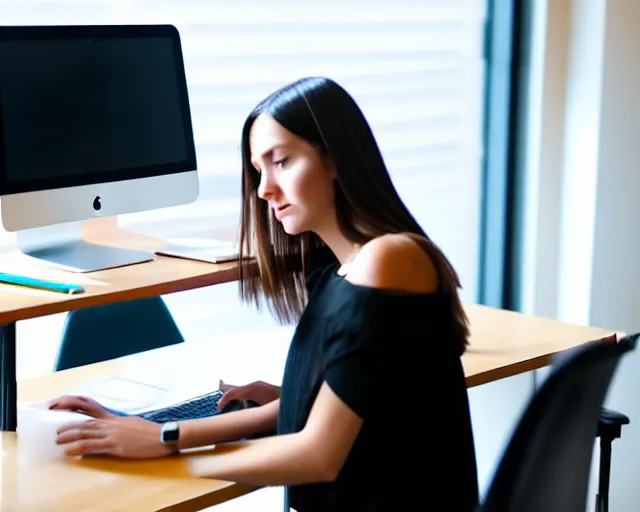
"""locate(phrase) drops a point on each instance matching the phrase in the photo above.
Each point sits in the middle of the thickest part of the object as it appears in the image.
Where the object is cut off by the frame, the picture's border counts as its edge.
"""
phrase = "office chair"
(609, 428)
(546, 464)
(100, 333)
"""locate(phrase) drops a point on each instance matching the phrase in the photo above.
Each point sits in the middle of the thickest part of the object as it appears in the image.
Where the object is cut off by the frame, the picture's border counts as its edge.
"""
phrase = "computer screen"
(94, 121)
(87, 108)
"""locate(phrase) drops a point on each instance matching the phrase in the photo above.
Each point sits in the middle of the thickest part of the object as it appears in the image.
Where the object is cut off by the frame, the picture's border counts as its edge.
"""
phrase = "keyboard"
(202, 406)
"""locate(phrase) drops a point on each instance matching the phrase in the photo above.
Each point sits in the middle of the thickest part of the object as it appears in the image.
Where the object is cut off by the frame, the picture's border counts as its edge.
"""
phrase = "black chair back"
(100, 333)
(546, 465)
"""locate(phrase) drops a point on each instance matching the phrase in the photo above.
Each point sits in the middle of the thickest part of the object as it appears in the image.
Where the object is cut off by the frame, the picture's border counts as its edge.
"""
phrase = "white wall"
(582, 243)
(615, 279)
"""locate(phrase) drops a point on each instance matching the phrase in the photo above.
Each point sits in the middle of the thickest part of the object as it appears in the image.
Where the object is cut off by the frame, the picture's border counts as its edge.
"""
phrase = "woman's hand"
(258, 391)
(107, 433)
(82, 405)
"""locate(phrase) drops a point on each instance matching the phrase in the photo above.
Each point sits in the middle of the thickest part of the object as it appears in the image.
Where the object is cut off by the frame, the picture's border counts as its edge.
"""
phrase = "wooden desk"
(162, 276)
(502, 344)
(33, 484)
(505, 343)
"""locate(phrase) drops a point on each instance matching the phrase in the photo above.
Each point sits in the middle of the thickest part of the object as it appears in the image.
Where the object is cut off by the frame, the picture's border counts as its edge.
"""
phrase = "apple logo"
(96, 203)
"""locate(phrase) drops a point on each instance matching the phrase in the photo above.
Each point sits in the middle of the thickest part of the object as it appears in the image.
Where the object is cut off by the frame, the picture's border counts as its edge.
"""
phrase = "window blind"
(414, 66)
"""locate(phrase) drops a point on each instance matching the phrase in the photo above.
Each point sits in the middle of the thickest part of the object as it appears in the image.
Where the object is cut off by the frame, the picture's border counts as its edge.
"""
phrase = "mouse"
(237, 405)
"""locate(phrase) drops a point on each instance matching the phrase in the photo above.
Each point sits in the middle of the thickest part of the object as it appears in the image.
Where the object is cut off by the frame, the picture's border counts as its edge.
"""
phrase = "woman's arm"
(230, 426)
(133, 437)
(315, 454)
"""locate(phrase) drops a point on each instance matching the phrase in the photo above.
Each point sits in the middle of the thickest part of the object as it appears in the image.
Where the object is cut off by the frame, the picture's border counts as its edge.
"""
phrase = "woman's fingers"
(85, 446)
(80, 404)
(232, 394)
(89, 424)
(224, 387)
(258, 391)
(85, 437)
(78, 431)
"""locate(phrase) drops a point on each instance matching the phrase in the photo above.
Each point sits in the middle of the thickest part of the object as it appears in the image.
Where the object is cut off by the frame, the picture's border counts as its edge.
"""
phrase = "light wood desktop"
(502, 344)
(162, 276)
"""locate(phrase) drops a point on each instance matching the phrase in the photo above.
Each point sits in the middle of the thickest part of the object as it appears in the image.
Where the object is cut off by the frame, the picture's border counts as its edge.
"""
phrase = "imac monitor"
(94, 121)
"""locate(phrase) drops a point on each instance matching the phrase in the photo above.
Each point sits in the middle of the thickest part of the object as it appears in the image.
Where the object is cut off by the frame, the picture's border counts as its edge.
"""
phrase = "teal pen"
(39, 284)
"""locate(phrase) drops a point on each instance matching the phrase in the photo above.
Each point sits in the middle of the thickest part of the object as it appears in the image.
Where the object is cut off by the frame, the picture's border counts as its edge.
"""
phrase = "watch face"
(169, 433)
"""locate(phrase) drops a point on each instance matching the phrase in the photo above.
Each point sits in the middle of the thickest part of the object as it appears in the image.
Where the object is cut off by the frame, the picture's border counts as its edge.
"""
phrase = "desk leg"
(8, 385)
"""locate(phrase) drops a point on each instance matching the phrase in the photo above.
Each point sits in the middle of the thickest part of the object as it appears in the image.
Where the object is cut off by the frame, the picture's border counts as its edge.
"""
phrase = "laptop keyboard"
(202, 406)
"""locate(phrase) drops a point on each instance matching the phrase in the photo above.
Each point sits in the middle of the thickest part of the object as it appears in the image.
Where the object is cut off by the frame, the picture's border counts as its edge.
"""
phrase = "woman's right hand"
(258, 391)
(82, 405)
(107, 433)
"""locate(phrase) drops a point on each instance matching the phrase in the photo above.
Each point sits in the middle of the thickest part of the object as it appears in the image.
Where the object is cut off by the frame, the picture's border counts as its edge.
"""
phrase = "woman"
(375, 302)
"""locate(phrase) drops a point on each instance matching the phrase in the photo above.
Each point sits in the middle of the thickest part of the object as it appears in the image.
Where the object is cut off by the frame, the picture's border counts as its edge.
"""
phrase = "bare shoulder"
(394, 262)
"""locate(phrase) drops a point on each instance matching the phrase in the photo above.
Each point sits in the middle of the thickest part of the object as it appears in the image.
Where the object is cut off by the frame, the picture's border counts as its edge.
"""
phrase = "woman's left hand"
(258, 391)
(126, 437)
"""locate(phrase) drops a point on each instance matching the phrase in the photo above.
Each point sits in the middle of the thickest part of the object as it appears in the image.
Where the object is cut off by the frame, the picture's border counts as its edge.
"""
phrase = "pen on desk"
(40, 284)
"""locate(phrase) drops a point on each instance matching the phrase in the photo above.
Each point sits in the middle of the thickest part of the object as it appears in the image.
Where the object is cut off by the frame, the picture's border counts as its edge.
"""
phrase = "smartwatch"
(170, 433)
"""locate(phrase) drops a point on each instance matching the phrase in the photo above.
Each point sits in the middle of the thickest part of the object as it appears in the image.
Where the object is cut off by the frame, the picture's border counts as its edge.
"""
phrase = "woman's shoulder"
(395, 262)
(390, 282)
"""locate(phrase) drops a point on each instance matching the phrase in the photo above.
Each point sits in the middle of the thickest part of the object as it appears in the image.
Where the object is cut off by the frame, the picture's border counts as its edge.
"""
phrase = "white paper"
(125, 395)
(198, 243)
(37, 429)
(211, 251)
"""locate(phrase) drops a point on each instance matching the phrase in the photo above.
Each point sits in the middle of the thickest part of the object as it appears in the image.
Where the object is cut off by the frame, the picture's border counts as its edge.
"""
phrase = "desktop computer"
(94, 121)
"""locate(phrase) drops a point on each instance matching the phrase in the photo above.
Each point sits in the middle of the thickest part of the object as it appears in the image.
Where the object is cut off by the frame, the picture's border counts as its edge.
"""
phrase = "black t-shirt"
(393, 359)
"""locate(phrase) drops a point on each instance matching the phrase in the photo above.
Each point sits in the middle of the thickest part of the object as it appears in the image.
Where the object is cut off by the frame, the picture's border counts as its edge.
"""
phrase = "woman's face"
(295, 179)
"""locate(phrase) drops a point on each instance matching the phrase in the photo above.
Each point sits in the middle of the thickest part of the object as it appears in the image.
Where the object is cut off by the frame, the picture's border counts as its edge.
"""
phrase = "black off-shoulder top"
(393, 359)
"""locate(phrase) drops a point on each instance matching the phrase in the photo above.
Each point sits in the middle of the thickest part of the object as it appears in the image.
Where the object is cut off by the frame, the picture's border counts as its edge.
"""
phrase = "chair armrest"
(613, 417)
(610, 424)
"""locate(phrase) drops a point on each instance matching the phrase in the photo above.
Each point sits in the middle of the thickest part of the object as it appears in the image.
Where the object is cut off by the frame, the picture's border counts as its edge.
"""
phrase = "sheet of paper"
(198, 243)
(213, 251)
(126, 395)
(37, 429)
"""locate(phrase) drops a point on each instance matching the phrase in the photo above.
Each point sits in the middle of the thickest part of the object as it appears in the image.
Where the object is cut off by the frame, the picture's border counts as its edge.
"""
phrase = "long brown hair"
(367, 205)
